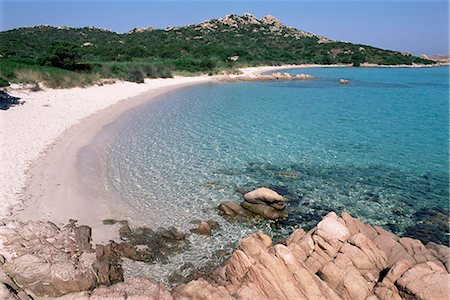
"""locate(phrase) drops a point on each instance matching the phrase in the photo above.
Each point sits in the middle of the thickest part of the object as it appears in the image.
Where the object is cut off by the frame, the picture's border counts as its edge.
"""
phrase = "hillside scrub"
(209, 47)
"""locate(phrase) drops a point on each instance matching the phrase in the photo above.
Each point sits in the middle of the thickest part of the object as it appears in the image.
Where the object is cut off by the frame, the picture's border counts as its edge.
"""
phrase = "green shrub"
(3, 82)
(62, 55)
(136, 75)
(150, 71)
(164, 72)
(159, 53)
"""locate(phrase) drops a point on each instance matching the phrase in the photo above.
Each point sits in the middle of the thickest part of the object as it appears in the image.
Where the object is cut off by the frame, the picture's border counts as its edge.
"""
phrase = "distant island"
(64, 57)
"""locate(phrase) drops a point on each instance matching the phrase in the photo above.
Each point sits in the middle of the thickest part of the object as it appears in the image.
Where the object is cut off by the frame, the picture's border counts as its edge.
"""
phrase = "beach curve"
(41, 141)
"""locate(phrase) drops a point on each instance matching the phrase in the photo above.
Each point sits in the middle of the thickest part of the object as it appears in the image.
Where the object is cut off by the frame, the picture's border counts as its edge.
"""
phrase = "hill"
(62, 56)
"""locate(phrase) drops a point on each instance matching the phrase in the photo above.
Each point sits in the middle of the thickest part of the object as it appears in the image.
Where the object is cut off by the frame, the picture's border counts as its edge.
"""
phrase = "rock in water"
(303, 76)
(262, 201)
(263, 195)
(206, 227)
(203, 228)
(265, 202)
(344, 81)
(232, 209)
(264, 210)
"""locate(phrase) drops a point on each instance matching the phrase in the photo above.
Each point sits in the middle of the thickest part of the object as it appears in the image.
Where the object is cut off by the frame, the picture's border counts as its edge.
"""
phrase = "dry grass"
(63, 79)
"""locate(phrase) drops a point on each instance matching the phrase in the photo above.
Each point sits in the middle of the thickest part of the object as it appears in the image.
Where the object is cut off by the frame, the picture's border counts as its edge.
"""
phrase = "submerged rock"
(431, 225)
(145, 244)
(206, 227)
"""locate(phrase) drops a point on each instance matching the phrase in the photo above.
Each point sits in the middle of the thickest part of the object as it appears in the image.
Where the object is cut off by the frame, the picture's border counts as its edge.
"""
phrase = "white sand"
(26, 131)
(258, 70)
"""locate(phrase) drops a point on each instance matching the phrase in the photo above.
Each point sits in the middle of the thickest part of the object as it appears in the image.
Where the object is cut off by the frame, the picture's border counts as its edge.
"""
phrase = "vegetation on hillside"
(62, 56)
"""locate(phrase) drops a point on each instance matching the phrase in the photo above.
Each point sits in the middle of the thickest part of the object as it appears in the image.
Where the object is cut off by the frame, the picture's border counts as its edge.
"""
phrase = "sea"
(377, 147)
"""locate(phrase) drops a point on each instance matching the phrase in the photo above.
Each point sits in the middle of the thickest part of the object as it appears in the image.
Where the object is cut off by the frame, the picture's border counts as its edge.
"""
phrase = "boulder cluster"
(340, 258)
(265, 77)
(262, 201)
(48, 261)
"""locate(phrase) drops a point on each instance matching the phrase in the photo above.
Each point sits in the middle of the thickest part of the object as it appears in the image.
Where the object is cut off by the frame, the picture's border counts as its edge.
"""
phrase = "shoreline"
(28, 195)
(55, 191)
(30, 143)
(43, 188)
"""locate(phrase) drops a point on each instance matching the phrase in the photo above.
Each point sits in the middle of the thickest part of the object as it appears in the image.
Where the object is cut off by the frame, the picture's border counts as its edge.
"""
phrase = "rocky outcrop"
(248, 22)
(340, 258)
(232, 209)
(136, 288)
(266, 203)
(48, 261)
(262, 201)
(264, 77)
(140, 29)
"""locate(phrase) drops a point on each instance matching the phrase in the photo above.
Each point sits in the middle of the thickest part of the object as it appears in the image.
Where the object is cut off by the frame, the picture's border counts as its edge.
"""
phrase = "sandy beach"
(33, 130)
(42, 139)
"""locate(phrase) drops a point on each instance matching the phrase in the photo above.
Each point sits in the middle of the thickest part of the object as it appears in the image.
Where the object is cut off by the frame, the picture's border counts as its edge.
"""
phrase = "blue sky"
(416, 26)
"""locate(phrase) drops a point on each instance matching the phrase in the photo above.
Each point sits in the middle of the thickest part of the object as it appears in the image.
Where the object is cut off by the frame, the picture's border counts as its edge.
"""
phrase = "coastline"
(32, 148)
(55, 192)
(76, 115)
(41, 141)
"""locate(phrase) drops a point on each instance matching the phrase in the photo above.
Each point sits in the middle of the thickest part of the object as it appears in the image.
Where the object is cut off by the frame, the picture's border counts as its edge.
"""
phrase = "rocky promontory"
(340, 258)
(264, 77)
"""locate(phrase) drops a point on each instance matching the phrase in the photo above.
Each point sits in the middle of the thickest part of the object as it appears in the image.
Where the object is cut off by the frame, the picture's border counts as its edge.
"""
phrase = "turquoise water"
(377, 148)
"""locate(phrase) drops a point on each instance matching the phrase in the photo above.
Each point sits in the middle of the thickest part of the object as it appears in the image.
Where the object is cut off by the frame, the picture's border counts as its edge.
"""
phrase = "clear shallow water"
(377, 148)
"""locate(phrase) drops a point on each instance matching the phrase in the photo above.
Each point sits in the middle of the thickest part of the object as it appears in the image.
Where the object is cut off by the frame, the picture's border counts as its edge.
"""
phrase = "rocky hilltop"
(248, 22)
(340, 258)
(442, 58)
